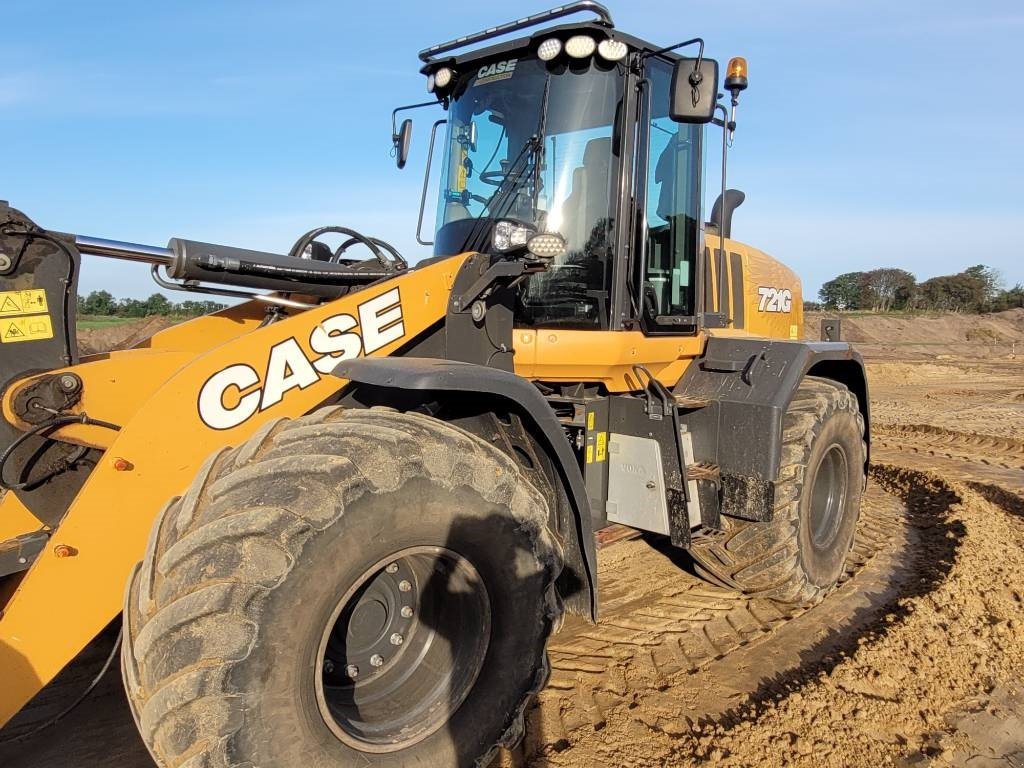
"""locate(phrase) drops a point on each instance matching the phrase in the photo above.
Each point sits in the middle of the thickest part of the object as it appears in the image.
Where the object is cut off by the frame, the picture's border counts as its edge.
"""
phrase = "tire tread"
(762, 558)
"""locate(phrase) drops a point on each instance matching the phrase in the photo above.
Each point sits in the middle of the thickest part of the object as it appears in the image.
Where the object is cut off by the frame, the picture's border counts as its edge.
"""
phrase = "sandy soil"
(924, 337)
(92, 341)
(916, 659)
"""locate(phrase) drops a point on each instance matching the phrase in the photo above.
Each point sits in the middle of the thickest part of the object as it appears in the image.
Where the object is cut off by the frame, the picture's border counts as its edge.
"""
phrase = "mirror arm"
(394, 115)
(426, 183)
(695, 41)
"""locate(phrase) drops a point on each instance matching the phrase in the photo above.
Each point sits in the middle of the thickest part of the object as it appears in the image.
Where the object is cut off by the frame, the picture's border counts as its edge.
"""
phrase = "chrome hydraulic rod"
(149, 254)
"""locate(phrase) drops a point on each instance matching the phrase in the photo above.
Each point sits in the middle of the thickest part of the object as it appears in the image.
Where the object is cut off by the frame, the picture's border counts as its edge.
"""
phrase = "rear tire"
(355, 587)
(799, 556)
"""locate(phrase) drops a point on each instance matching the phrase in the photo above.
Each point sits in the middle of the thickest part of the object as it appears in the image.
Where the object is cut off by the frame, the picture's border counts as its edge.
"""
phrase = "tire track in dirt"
(666, 634)
(840, 684)
(967, 456)
(970, 446)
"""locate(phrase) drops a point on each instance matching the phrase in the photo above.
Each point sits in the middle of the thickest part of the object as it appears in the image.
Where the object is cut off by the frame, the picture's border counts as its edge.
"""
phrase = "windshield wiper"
(498, 203)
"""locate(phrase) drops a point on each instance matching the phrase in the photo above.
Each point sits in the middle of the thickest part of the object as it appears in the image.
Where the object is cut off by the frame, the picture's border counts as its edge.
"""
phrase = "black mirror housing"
(694, 91)
(402, 140)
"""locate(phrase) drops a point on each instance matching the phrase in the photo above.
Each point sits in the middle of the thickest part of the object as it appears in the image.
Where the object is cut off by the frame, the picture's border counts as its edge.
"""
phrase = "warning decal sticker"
(14, 303)
(25, 329)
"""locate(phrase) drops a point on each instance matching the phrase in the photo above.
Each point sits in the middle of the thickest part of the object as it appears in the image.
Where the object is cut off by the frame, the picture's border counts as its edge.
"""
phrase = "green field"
(90, 322)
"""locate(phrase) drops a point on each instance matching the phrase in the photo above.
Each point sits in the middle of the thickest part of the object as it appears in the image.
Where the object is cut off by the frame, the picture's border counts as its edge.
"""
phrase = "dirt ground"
(916, 659)
(94, 340)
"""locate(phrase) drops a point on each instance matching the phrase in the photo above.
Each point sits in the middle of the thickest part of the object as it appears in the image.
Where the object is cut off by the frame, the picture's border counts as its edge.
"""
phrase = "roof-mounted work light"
(580, 46)
(549, 49)
(612, 50)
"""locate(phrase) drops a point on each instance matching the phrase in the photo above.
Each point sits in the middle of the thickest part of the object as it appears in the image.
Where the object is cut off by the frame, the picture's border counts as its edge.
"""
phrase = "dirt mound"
(896, 335)
(916, 373)
(902, 683)
(92, 341)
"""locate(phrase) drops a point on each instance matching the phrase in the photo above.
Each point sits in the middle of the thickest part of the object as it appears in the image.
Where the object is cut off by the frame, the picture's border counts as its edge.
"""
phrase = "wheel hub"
(372, 630)
(828, 497)
(402, 649)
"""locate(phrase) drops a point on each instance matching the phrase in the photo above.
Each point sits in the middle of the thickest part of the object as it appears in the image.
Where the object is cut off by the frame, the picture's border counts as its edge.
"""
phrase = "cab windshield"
(532, 142)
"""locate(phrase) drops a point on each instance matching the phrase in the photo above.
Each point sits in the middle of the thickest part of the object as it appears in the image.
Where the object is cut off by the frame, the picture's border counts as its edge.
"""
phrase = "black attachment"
(748, 384)
(401, 137)
(694, 93)
(831, 329)
(401, 140)
(38, 296)
(206, 262)
(721, 216)
(604, 18)
(38, 288)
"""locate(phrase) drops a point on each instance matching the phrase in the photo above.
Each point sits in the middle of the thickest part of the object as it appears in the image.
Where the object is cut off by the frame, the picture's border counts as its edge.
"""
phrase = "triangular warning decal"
(9, 305)
(13, 332)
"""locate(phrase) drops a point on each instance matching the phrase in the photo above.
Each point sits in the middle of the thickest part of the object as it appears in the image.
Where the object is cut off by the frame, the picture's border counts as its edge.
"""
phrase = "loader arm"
(175, 408)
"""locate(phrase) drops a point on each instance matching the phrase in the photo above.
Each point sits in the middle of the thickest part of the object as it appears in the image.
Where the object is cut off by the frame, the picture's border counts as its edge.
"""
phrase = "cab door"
(669, 211)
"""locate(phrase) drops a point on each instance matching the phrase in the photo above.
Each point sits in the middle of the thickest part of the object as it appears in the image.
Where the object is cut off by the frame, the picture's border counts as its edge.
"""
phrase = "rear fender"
(748, 385)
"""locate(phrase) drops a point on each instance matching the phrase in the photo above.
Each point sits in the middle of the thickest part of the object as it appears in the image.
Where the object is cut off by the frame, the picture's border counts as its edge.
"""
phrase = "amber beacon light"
(736, 75)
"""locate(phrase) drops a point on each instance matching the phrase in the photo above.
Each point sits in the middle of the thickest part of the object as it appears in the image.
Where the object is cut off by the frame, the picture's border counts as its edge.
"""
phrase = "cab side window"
(672, 196)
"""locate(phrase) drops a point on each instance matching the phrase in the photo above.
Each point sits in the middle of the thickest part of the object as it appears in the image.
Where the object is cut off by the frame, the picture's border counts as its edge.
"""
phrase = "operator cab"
(588, 134)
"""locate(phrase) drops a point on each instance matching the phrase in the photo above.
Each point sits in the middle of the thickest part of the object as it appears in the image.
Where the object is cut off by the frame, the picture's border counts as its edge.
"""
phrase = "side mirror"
(401, 141)
(694, 91)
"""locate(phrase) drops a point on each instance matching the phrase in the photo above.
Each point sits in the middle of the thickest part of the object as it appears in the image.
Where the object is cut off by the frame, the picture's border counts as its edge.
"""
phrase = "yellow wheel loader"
(341, 518)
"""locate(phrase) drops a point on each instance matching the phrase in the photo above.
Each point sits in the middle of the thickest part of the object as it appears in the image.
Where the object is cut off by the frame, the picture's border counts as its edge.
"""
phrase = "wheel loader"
(339, 519)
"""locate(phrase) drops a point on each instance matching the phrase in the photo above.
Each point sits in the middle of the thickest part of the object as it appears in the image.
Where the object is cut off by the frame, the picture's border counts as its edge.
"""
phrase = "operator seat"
(587, 203)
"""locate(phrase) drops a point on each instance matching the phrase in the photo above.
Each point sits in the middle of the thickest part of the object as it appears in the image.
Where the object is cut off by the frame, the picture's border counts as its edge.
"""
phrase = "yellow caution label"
(590, 421)
(25, 329)
(794, 332)
(602, 446)
(590, 454)
(14, 303)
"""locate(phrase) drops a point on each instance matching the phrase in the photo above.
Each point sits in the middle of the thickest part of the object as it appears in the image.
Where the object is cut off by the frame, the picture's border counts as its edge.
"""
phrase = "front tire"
(800, 554)
(350, 588)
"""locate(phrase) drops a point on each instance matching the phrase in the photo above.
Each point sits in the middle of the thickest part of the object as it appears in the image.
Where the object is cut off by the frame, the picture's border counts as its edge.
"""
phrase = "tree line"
(103, 303)
(976, 289)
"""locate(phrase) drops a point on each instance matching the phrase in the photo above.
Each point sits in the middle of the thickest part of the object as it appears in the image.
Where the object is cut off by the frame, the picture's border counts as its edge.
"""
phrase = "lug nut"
(392, 568)
(352, 671)
(397, 639)
(376, 660)
(63, 550)
(406, 612)
(404, 585)
(328, 666)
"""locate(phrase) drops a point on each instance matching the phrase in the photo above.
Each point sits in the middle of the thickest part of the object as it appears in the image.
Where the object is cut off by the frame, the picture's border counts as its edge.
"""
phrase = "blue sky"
(873, 133)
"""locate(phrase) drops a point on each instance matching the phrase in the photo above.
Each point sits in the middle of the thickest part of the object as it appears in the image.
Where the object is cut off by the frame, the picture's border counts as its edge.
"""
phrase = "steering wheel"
(494, 178)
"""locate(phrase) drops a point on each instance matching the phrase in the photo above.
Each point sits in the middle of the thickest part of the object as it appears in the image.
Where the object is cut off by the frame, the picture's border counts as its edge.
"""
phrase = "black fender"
(746, 386)
(430, 377)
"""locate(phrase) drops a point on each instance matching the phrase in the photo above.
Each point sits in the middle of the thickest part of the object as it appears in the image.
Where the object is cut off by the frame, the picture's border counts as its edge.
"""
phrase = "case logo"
(235, 394)
(500, 70)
